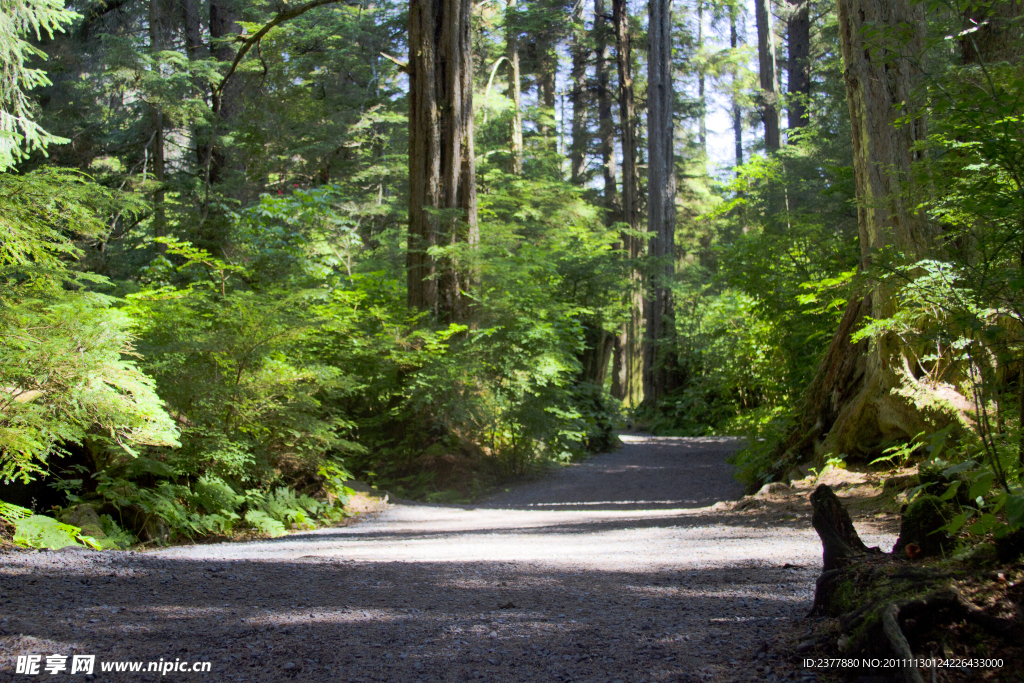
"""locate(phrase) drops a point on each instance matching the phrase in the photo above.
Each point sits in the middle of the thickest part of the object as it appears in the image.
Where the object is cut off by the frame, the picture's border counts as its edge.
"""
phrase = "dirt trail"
(617, 569)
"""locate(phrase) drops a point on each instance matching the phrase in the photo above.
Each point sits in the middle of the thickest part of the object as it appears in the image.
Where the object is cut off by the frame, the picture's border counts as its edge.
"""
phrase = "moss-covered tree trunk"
(851, 406)
(442, 188)
(223, 28)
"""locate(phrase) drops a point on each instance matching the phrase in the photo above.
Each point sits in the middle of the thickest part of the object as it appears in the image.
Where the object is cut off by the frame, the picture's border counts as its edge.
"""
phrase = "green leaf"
(957, 469)
(983, 525)
(950, 491)
(1015, 510)
(957, 522)
(981, 485)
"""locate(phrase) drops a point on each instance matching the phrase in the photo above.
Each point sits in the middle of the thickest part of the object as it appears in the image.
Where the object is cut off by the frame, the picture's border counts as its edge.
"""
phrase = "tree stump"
(839, 541)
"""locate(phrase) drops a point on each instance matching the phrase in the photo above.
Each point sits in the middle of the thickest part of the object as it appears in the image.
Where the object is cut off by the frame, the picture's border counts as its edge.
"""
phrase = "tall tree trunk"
(627, 384)
(702, 121)
(514, 92)
(188, 11)
(599, 343)
(578, 99)
(659, 346)
(737, 113)
(223, 26)
(188, 14)
(546, 84)
(766, 70)
(442, 187)
(850, 406)
(159, 30)
(605, 123)
(799, 64)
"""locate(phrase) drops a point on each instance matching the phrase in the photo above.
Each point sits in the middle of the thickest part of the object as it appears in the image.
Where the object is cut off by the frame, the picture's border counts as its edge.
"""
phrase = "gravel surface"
(617, 569)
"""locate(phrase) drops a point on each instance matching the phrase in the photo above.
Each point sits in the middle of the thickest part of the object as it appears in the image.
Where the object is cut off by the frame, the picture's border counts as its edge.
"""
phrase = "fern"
(264, 523)
(12, 513)
(37, 531)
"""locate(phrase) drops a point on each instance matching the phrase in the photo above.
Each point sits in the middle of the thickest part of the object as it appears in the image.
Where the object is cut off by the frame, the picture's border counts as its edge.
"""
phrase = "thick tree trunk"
(627, 384)
(850, 406)
(442, 187)
(737, 113)
(766, 70)
(514, 92)
(578, 99)
(799, 65)
(659, 342)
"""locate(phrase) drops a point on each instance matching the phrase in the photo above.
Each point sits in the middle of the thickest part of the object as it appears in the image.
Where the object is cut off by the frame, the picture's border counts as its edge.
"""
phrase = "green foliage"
(39, 531)
(20, 21)
(64, 349)
(115, 537)
(12, 513)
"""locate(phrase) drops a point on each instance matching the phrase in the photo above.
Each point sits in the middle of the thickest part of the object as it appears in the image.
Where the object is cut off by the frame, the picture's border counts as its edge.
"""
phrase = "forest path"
(616, 569)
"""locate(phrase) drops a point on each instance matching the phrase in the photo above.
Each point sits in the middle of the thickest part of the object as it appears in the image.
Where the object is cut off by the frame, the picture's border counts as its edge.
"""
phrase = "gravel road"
(616, 569)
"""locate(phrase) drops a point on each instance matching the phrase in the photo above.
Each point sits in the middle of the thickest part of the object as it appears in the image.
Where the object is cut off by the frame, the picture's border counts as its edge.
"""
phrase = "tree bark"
(627, 383)
(188, 12)
(799, 65)
(659, 346)
(222, 27)
(442, 187)
(605, 123)
(702, 120)
(159, 32)
(547, 72)
(599, 344)
(840, 544)
(999, 32)
(737, 113)
(514, 92)
(578, 99)
(850, 406)
(766, 71)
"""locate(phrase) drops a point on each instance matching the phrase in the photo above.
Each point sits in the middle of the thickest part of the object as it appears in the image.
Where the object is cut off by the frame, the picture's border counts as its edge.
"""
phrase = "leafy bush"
(65, 372)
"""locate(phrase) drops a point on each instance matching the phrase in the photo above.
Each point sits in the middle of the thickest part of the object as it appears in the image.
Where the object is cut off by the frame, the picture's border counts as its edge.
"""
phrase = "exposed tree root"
(880, 598)
(898, 642)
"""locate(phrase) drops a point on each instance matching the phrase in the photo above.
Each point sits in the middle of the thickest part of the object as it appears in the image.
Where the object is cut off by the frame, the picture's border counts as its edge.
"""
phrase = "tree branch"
(279, 19)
